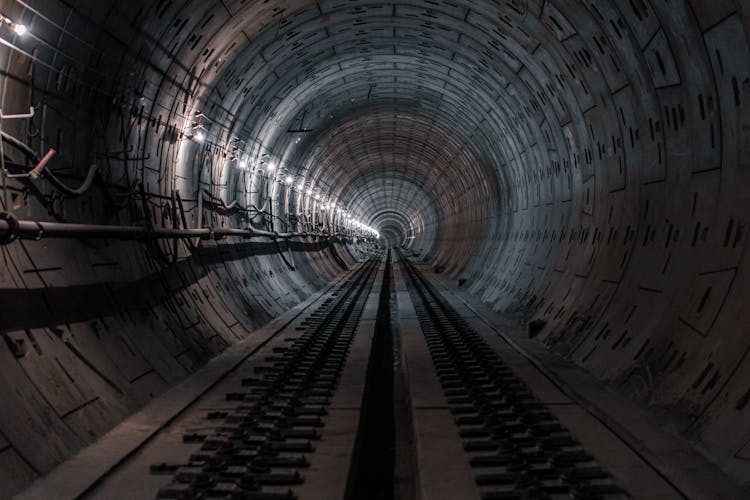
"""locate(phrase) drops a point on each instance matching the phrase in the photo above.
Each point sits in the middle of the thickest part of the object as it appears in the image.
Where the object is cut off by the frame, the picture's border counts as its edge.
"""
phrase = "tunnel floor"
(390, 383)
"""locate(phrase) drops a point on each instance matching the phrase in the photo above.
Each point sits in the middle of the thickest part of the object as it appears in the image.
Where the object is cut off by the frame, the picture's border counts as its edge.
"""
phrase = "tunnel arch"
(582, 164)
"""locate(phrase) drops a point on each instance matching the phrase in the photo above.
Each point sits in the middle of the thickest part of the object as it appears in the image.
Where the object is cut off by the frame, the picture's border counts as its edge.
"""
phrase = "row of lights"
(330, 205)
(367, 229)
(199, 136)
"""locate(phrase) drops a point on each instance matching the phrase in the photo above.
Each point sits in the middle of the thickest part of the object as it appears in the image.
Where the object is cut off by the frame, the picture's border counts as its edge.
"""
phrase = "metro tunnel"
(434, 249)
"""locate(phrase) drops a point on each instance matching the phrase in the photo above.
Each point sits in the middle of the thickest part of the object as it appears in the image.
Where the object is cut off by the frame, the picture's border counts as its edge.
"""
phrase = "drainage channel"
(372, 476)
(517, 447)
(257, 448)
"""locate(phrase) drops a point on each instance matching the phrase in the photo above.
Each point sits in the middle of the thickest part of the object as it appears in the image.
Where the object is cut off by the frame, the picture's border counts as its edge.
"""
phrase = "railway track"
(382, 387)
(262, 443)
(255, 434)
(518, 449)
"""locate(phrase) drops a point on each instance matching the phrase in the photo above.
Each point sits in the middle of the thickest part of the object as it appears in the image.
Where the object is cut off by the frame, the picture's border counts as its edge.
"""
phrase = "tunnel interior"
(579, 165)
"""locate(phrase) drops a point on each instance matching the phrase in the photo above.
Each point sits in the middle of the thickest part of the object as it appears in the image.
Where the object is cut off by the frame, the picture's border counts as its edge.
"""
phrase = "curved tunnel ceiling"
(582, 163)
(373, 103)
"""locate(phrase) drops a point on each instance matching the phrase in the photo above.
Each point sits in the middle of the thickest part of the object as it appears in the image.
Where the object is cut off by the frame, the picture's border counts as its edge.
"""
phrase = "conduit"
(12, 229)
(40, 169)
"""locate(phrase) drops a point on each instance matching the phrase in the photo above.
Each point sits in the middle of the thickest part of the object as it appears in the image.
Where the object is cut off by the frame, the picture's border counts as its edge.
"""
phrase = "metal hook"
(12, 117)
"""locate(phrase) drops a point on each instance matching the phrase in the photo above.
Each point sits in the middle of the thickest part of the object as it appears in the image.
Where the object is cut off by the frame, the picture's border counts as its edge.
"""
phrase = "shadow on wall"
(78, 359)
(39, 307)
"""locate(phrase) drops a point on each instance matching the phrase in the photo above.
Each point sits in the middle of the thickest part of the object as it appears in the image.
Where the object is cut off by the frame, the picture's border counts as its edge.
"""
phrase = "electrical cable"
(48, 174)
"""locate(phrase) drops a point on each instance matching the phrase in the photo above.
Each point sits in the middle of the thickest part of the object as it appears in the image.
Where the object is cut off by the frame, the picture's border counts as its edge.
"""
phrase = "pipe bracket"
(40, 232)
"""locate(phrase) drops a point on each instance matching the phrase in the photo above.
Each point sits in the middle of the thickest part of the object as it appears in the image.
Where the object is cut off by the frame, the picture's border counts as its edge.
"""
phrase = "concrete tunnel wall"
(583, 163)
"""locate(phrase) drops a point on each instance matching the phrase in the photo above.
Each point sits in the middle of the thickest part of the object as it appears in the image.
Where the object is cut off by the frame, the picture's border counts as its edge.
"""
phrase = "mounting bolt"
(535, 327)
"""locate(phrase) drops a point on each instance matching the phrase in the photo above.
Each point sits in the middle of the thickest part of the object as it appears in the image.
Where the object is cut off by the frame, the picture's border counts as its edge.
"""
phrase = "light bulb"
(200, 136)
(243, 164)
(289, 179)
(19, 29)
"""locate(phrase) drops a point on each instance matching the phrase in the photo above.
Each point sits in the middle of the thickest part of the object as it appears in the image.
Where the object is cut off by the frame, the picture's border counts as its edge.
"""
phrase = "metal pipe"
(12, 229)
(12, 117)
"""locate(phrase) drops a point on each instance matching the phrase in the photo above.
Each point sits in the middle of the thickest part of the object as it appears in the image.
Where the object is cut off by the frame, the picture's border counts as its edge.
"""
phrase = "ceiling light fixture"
(18, 28)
